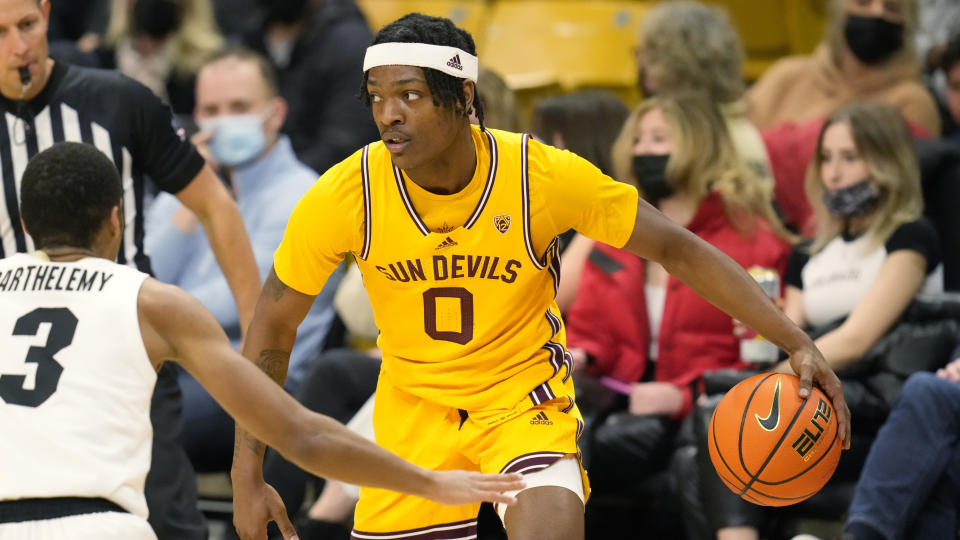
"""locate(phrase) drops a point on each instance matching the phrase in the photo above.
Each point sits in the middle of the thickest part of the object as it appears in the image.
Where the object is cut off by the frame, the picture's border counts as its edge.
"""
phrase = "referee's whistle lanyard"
(22, 109)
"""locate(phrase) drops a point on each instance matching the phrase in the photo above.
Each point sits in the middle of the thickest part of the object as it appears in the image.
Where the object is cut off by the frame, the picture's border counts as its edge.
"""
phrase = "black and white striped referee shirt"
(119, 116)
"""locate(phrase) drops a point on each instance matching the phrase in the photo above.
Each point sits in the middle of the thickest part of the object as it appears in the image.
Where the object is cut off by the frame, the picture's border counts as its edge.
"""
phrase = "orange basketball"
(771, 447)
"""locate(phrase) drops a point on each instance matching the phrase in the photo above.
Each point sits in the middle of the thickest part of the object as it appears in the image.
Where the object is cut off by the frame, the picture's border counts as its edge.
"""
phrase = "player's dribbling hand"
(811, 367)
(456, 488)
(255, 504)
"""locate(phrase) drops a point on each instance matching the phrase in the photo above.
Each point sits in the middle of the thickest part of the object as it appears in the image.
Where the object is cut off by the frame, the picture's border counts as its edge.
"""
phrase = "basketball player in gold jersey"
(453, 227)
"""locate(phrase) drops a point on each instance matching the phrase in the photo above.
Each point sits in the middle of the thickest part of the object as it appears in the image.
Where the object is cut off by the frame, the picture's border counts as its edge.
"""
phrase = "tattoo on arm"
(274, 287)
(248, 440)
(274, 364)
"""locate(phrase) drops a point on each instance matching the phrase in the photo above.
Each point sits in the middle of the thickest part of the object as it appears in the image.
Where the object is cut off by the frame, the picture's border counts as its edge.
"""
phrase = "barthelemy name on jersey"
(452, 267)
(43, 277)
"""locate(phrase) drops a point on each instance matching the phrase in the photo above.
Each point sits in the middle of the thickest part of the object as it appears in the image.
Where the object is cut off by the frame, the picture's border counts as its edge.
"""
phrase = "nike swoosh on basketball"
(770, 422)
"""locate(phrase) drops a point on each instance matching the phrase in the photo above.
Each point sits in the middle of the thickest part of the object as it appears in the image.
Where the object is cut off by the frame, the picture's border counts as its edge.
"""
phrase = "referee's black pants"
(171, 484)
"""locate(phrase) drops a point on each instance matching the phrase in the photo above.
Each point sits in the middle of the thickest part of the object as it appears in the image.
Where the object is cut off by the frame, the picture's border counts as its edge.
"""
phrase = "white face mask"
(237, 138)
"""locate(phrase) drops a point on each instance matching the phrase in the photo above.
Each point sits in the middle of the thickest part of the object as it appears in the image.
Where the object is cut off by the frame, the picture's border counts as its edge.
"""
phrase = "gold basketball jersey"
(466, 312)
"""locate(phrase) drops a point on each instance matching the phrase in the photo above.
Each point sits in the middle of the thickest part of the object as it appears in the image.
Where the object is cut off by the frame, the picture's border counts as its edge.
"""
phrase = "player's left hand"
(810, 365)
(455, 488)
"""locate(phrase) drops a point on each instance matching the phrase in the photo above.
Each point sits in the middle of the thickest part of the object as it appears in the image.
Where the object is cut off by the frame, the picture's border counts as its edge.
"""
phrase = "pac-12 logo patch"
(502, 223)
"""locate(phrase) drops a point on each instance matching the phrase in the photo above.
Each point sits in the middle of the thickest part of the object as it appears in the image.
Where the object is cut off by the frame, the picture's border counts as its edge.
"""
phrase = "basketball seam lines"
(783, 437)
(812, 465)
(753, 478)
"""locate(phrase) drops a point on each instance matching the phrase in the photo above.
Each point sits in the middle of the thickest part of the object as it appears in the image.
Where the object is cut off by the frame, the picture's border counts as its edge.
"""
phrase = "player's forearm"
(269, 340)
(270, 352)
(231, 246)
(724, 283)
(248, 450)
(328, 449)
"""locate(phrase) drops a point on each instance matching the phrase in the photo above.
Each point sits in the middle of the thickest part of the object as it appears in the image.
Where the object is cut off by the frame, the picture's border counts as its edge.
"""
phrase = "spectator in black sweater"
(317, 48)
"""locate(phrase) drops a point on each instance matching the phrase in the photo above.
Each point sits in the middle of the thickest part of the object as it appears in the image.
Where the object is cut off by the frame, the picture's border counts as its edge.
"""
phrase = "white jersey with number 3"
(75, 382)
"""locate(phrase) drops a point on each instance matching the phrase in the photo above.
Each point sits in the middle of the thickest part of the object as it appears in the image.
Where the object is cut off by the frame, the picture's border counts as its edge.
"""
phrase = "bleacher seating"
(545, 47)
(773, 29)
(471, 15)
(574, 44)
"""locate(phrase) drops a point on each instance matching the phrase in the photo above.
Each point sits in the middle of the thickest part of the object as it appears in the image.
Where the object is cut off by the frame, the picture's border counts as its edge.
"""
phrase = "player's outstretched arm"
(268, 343)
(216, 210)
(177, 327)
(724, 283)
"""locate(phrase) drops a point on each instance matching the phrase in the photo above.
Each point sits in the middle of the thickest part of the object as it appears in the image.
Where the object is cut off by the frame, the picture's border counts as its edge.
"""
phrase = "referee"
(43, 102)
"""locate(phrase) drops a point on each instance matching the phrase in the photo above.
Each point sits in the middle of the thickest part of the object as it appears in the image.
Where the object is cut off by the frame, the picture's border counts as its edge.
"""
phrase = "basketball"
(771, 447)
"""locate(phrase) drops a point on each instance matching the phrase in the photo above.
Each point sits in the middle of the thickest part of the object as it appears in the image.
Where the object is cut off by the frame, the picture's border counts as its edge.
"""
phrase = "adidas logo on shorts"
(541, 420)
(455, 62)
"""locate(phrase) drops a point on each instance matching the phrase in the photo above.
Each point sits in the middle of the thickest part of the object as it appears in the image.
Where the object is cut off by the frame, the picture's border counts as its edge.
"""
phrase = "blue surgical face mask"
(237, 138)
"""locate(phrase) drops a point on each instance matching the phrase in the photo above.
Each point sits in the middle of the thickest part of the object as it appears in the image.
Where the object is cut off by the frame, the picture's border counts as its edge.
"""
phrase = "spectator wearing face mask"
(161, 44)
(631, 321)
(317, 48)
(873, 253)
(240, 114)
(688, 46)
(868, 54)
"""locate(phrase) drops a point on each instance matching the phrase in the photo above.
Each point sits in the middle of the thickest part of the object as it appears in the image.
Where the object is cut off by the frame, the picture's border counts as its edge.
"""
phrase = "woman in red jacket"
(633, 322)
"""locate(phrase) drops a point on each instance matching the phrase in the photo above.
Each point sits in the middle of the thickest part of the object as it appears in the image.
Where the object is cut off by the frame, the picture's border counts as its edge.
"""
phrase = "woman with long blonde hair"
(633, 322)
(702, 160)
(162, 44)
(691, 46)
(864, 187)
(873, 252)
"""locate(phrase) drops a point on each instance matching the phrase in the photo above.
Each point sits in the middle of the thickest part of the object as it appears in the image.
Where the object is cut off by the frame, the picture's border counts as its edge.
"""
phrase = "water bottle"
(754, 349)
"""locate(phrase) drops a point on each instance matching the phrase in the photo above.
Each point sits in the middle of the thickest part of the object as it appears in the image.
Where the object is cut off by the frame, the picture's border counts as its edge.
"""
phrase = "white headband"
(450, 60)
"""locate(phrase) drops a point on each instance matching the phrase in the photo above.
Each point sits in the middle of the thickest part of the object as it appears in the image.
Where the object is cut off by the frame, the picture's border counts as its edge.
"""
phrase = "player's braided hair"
(418, 28)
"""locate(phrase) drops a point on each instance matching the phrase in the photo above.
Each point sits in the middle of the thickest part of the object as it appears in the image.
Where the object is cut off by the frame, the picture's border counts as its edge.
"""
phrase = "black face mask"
(852, 201)
(156, 18)
(872, 39)
(283, 11)
(651, 173)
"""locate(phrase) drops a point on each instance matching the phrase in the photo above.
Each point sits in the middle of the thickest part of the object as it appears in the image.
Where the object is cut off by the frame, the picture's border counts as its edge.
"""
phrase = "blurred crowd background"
(815, 140)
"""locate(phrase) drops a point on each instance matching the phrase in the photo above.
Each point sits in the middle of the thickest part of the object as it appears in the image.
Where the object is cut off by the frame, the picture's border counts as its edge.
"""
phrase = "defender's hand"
(810, 365)
(455, 488)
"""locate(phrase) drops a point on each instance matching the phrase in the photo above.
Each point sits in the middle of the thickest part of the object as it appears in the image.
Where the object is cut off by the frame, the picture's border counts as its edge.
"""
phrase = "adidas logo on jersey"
(541, 420)
(455, 62)
(448, 242)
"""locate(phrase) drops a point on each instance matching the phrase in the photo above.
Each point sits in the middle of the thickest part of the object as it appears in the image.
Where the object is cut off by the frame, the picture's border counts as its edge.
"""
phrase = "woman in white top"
(872, 254)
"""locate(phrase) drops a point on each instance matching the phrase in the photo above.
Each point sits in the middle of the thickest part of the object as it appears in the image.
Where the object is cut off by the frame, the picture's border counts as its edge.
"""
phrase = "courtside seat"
(569, 43)
(471, 15)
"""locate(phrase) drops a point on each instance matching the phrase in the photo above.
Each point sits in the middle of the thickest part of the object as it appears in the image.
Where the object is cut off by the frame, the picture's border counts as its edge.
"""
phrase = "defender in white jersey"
(82, 338)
